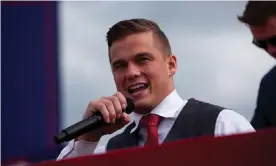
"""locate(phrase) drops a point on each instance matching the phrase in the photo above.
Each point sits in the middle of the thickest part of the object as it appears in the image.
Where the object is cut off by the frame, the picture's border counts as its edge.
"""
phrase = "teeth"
(136, 86)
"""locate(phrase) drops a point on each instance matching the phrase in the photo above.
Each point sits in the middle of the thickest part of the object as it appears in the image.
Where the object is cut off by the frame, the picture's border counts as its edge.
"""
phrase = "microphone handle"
(80, 128)
(87, 125)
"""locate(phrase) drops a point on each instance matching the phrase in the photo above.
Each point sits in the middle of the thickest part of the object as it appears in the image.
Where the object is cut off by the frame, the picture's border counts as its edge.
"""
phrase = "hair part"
(257, 13)
(125, 28)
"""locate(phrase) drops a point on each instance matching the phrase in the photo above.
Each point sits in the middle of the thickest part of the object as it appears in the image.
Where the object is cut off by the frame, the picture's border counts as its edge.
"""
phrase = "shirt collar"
(168, 108)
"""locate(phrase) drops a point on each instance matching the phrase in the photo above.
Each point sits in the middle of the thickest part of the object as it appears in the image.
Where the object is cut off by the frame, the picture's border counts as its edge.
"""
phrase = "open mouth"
(138, 88)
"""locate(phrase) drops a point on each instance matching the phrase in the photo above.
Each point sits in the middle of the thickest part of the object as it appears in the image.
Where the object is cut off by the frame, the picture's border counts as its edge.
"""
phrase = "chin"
(143, 105)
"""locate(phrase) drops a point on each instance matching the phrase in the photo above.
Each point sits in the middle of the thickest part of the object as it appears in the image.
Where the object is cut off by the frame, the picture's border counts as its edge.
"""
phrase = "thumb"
(125, 118)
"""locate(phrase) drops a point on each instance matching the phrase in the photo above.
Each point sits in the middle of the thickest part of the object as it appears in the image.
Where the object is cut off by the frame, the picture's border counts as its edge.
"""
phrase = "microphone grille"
(130, 105)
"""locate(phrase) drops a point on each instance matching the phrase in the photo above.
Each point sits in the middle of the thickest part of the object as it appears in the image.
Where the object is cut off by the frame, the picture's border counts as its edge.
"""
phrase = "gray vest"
(195, 119)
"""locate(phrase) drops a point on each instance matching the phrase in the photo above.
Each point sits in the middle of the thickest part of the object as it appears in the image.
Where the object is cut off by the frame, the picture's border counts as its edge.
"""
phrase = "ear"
(172, 65)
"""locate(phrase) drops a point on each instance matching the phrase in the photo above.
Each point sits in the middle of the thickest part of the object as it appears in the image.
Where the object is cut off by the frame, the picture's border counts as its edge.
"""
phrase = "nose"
(133, 71)
(271, 49)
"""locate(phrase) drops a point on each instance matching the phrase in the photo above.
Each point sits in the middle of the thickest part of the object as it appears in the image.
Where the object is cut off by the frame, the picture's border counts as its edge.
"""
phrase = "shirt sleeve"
(230, 122)
(80, 148)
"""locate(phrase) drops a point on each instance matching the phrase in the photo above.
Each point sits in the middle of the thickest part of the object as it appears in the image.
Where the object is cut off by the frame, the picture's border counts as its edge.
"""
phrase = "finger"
(90, 110)
(100, 106)
(111, 110)
(117, 105)
(122, 99)
(124, 120)
(125, 117)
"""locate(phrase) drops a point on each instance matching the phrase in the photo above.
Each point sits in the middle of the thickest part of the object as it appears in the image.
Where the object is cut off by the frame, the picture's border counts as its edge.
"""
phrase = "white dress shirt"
(228, 122)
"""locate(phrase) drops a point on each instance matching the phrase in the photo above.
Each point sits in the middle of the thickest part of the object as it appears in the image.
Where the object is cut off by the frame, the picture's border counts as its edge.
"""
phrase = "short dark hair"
(256, 13)
(125, 28)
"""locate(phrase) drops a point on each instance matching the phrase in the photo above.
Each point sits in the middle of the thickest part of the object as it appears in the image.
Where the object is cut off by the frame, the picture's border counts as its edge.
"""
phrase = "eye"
(143, 59)
(117, 66)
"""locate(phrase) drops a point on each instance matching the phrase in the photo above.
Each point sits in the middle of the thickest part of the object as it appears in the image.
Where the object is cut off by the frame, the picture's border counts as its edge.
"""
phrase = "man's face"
(265, 36)
(141, 70)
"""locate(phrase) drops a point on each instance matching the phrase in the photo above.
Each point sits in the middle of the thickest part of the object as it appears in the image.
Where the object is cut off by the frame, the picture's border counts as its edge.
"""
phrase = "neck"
(150, 106)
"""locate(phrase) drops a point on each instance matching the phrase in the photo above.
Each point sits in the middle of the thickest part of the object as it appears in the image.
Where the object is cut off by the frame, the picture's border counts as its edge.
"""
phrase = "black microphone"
(87, 125)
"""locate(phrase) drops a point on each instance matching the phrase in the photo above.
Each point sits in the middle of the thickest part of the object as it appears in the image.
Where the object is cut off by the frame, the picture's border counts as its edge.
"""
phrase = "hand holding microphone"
(102, 116)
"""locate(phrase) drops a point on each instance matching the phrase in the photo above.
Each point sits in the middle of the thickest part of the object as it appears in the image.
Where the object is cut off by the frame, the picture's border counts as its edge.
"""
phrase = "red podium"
(252, 149)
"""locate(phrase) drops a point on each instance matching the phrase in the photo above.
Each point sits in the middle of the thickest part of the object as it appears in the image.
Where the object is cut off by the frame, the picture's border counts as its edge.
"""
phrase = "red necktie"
(151, 122)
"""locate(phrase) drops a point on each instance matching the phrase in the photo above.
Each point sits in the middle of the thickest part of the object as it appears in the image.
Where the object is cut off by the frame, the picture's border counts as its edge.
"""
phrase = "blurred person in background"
(260, 17)
(143, 68)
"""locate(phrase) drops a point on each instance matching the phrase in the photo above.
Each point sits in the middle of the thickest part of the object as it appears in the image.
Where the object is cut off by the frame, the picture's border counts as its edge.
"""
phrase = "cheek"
(118, 81)
(158, 75)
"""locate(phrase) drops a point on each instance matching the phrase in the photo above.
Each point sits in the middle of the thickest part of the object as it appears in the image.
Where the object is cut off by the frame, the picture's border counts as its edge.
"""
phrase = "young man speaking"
(143, 68)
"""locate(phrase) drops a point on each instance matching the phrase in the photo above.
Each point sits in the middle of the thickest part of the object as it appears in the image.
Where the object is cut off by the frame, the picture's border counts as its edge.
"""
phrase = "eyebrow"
(141, 54)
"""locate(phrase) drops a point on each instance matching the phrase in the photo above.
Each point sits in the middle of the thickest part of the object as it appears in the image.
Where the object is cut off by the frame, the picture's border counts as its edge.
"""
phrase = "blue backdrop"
(30, 95)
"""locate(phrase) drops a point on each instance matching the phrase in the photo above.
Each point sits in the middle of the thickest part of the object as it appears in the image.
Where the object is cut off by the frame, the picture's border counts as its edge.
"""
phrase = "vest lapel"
(131, 139)
(173, 134)
(195, 119)
(125, 139)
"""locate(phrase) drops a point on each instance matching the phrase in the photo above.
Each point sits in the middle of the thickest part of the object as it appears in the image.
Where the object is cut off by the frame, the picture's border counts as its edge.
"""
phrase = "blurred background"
(54, 61)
